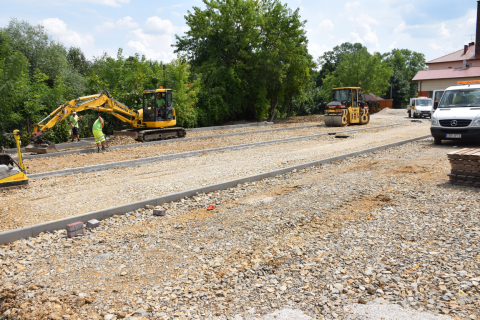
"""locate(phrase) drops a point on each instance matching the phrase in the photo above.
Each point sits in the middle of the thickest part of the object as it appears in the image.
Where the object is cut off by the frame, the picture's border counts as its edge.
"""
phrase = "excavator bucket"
(51, 148)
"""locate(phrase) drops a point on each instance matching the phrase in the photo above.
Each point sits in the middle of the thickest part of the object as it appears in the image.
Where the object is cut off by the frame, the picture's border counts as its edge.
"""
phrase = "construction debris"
(159, 212)
(75, 229)
(465, 165)
(92, 224)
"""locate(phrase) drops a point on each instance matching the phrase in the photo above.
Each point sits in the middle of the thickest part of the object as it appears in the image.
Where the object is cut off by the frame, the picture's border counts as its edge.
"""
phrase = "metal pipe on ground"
(32, 231)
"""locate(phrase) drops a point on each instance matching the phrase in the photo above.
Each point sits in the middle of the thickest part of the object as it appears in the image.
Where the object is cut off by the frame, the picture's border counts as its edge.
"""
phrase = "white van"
(420, 107)
(457, 116)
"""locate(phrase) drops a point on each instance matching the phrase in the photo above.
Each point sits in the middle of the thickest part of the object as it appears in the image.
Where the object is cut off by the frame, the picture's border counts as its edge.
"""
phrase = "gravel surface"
(83, 159)
(63, 196)
(383, 311)
(209, 133)
(323, 241)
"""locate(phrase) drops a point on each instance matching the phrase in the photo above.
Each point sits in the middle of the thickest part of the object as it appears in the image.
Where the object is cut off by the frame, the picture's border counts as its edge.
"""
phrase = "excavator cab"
(158, 105)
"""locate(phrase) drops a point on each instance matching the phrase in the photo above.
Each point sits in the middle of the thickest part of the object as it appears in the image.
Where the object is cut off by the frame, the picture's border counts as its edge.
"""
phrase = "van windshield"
(460, 98)
(423, 102)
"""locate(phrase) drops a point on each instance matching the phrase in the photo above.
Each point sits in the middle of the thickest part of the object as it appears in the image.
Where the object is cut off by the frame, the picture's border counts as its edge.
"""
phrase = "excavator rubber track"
(153, 134)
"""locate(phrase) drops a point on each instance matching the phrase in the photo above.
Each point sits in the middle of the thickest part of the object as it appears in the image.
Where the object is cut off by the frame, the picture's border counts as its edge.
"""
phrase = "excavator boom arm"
(100, 102)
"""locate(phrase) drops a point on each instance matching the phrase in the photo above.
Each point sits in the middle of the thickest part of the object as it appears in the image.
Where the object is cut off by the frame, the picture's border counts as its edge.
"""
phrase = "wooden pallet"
(465, 154)
(465, 167)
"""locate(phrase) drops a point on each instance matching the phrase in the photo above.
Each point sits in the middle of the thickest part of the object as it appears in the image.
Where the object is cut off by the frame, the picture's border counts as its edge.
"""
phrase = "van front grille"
(455, 123)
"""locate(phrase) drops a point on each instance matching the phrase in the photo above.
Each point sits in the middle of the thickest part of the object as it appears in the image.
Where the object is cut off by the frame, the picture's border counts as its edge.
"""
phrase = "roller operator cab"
(348, 107)
(457, 115)
(420, 107)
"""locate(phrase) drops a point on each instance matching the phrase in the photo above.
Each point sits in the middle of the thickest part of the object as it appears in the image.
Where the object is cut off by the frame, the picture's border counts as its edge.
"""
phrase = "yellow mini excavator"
(348, 107)
(12, 173)
(150, 123)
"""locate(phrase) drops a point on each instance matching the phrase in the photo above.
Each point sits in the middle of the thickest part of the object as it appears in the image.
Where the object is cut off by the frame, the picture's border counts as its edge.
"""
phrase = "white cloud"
(400, 27)
(111, 3)
(364, 34)
(326, 24)
(153, 46)
(472, 22)
(356, 37)
(434, 46)
(444, 31)
(126, 23)
(317, 50)
(58, 29)
(350, 5)
(177, 14)
(155, 24)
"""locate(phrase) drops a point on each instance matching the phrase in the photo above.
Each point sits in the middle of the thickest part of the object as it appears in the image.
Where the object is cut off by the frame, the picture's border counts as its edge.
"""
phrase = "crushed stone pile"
(388, 111)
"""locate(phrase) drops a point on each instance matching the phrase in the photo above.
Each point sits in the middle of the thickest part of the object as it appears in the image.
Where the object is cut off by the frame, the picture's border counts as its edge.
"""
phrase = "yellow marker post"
(17, 139)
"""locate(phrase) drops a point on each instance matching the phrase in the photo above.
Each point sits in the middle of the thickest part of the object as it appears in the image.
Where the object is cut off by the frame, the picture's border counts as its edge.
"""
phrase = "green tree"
(357, 68)
(330, 60)
(77, 61)
(406, 64)
(251, 56)
(14, 75)
(399, 90)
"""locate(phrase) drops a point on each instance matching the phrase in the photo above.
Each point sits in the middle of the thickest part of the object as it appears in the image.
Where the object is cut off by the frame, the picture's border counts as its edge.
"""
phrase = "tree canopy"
(359, 68)
(251, 55)
(406, 64)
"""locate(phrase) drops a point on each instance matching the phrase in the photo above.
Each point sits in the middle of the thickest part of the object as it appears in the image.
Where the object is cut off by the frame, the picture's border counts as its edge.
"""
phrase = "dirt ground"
(385, 225)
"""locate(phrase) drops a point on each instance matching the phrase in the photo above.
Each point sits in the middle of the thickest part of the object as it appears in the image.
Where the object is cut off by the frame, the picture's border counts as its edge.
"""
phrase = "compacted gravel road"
(76, 160)
(59, 197)
(380, 233)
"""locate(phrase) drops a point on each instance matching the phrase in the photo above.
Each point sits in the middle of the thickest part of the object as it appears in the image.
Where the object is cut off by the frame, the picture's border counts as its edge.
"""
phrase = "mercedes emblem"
(454, 123)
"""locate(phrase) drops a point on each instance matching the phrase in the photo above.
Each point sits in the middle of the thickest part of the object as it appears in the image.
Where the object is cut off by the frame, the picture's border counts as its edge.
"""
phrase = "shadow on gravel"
(453, 145)
(448, 185)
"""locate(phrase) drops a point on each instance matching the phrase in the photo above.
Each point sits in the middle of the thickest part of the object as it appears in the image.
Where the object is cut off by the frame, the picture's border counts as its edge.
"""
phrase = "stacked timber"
(465, 167)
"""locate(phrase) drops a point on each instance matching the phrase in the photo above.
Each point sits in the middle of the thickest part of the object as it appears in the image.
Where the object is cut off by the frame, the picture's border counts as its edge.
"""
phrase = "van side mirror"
(435, 105)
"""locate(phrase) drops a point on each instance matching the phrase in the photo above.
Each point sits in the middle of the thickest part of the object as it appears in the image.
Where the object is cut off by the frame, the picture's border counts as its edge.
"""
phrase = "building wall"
(453, 64)
(441, 84)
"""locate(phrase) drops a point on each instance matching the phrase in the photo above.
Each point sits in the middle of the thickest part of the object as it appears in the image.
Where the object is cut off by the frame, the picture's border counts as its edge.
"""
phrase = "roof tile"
(447, 74)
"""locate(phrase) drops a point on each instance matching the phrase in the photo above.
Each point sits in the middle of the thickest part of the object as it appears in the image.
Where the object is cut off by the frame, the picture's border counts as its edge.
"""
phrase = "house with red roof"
(446, 71)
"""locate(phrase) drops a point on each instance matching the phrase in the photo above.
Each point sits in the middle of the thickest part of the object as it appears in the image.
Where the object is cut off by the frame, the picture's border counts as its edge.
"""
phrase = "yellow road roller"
(348, 107)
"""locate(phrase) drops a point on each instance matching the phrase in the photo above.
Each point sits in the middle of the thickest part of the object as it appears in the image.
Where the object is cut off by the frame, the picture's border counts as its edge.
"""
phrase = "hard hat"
(74, 112)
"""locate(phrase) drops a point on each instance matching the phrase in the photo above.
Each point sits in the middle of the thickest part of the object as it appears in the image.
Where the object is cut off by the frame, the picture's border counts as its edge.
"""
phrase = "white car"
(457, 116)
(420, 107)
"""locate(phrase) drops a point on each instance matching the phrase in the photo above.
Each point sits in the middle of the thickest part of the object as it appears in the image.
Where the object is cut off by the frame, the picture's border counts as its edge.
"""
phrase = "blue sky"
(434, 28)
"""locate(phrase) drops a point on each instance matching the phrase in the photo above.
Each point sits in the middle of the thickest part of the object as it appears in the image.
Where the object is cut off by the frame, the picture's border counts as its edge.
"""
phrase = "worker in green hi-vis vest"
(98, 133)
